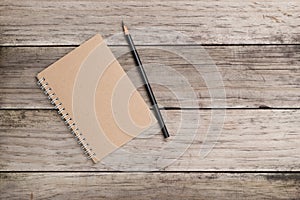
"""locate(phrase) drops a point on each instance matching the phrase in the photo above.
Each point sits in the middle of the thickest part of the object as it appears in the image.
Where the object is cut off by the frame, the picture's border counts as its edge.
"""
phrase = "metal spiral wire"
(43, 84)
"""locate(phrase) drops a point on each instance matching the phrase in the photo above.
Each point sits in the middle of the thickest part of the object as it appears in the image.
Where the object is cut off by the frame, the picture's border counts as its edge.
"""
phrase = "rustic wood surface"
(149, 186)
(251, 77)
(255, 46)
(56, 22)
(251, 140)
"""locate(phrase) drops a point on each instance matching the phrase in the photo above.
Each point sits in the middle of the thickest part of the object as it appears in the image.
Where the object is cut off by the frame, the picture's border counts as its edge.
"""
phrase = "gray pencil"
(147, 84)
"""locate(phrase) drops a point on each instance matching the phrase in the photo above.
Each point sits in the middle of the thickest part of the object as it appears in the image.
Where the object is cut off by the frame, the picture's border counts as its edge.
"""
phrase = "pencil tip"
(125, 29)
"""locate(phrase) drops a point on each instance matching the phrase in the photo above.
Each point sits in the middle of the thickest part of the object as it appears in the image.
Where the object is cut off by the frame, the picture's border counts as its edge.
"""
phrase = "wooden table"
(255, 46)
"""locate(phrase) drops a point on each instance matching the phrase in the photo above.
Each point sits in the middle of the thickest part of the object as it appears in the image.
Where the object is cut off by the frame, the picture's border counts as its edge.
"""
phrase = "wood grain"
(252, 76)
(40, 159)
(149, 186)
(71, 22)
(250, 140)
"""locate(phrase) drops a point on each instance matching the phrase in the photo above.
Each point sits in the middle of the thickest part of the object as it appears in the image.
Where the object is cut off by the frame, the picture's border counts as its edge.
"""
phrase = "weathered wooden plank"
(55, 22)
(251, 140)
(149, 186)
(252, 76)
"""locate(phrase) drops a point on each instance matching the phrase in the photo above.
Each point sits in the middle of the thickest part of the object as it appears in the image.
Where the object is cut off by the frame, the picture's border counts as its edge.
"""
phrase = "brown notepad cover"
(96, 98)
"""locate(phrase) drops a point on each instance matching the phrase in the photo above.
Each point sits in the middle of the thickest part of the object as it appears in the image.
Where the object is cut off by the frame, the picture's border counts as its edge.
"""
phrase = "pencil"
(147, 84)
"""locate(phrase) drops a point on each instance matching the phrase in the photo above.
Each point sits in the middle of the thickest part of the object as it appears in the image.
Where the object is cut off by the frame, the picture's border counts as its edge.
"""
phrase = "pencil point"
(125, 29)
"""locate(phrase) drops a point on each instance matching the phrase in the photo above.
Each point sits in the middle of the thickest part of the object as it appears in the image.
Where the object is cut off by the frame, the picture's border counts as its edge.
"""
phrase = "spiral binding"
(65, 116)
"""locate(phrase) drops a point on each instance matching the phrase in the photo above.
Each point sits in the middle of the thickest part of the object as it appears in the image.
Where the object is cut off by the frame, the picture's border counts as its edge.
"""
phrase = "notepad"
(96, 98)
